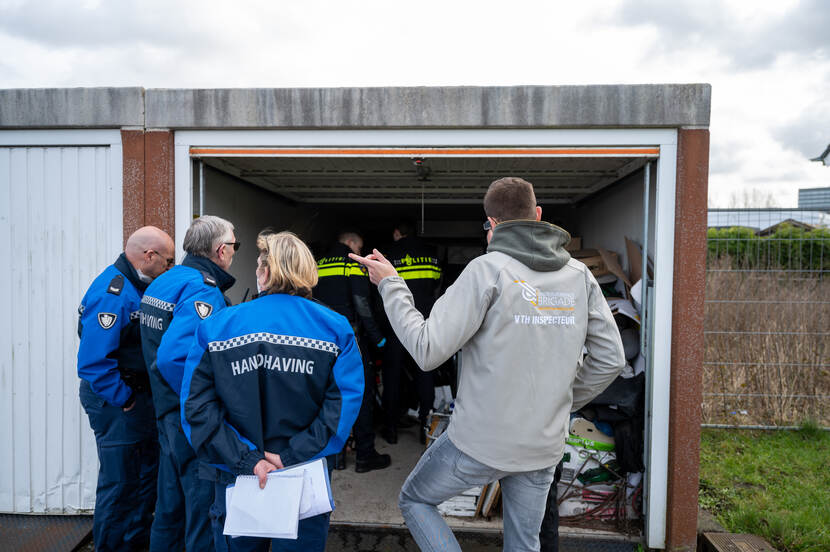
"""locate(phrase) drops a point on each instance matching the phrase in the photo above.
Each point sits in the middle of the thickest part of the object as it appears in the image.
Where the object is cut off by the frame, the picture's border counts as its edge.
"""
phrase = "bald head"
(150, 250)
(352, 240)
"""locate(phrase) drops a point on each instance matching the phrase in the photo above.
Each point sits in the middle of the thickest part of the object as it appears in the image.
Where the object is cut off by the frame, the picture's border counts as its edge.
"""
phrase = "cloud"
(809, 133)
(768, 62)
(747, 35)
(189, 25)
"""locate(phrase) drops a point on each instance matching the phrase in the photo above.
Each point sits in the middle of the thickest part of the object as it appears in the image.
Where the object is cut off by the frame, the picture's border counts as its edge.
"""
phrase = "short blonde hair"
(291, 266)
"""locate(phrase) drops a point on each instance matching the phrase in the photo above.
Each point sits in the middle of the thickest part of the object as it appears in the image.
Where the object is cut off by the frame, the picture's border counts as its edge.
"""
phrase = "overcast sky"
(768, 61)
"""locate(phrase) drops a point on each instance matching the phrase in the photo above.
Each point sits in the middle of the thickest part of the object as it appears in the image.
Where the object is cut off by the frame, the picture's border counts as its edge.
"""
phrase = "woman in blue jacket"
(271, 383)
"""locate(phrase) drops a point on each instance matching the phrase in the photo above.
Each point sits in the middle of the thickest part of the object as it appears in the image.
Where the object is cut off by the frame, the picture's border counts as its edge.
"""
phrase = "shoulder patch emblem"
(203, 309)
(107, 319)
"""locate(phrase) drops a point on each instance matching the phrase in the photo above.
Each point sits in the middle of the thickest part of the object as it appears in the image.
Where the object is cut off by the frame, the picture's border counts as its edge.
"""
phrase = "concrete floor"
(372, 498)
(366, 515)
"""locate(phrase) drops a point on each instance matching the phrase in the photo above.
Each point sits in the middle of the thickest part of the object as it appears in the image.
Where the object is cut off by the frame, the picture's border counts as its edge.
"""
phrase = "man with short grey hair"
(171, 310)
(206, 236)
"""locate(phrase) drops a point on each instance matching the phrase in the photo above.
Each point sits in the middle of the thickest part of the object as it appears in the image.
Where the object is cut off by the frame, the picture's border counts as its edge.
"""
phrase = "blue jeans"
(181, 519)
(128, 458)
(444, 472)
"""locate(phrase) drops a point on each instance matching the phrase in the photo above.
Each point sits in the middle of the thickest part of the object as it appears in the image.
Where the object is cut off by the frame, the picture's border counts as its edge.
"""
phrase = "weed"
(765, 348)
(775, 484)
(810, 430)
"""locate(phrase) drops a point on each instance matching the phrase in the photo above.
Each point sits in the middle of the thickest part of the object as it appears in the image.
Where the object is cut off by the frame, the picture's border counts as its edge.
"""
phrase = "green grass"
(775, 484)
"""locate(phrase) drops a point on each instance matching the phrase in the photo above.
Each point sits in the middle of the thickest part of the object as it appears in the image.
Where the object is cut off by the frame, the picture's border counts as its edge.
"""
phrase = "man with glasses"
(115, 391)
(171, 309)
(521, 314)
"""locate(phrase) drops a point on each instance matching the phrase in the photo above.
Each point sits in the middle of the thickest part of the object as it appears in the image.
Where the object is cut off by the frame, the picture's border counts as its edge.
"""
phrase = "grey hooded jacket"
(521, 315)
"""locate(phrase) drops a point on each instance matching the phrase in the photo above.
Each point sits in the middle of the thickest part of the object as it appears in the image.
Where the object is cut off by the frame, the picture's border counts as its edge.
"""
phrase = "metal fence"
(767, 319)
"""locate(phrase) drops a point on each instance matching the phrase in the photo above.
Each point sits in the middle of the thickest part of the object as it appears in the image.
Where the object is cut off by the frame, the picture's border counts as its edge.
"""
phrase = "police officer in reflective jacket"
(115, 391)
(171, 309)
(344, 287)
(417, 263)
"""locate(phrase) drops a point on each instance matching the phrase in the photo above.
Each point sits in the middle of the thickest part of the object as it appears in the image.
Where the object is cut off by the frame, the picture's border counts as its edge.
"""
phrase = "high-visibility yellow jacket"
(343, 286)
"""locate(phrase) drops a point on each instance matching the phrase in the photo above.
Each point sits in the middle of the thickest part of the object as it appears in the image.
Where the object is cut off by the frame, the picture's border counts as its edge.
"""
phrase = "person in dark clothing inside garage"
(344, 287)
(171, 309)
(417, 263)
(272, 383)
(115, 392)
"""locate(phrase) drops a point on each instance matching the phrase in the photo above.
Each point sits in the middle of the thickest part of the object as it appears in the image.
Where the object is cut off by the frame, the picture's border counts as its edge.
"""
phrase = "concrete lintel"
(602, 106)
(71, 107)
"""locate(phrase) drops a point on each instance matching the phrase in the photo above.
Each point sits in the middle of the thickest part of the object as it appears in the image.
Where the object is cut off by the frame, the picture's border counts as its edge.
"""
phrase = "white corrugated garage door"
(60, 224)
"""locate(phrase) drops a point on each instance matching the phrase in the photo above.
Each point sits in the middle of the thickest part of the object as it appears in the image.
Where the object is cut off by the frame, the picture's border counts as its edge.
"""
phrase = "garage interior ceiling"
(451, 179)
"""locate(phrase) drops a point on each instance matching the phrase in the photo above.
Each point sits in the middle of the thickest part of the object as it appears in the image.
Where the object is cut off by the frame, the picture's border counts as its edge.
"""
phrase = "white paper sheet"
(316, 497)
(272, 512)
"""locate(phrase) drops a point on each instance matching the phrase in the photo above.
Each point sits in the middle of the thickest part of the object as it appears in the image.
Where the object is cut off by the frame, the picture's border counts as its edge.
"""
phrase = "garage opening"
(602, 196)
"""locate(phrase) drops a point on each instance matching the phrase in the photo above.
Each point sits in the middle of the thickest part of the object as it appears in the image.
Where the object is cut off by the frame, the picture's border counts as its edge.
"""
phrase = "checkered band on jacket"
(327, 346)
(158, 303)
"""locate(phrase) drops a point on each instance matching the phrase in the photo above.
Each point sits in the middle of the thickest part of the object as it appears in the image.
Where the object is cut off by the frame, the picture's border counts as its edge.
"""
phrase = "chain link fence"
(767, 319)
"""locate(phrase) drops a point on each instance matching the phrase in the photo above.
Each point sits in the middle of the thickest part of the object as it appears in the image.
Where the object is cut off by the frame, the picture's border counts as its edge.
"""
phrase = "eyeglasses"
(169, 260)
(235, 245)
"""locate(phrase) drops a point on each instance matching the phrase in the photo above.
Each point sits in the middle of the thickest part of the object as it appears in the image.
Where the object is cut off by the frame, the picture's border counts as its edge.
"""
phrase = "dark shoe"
(340, 461)
(374, 461)
(405, 422)
(389, 435)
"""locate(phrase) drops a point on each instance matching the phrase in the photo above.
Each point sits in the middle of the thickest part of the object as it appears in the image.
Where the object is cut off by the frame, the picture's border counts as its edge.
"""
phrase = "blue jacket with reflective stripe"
(171, 309)
(109, 354)
(280, 373)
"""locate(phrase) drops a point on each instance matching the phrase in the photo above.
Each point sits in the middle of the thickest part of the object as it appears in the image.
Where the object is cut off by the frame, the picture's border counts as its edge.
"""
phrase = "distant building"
(814, 198)
(789, 222)
(762, 220)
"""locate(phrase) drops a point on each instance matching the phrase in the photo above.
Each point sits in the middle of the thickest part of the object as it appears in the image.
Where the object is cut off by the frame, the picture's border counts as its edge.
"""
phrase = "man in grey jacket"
(521, 314)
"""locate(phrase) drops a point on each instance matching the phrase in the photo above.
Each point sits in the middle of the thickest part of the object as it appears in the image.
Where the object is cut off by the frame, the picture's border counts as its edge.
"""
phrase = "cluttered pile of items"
(602, 468)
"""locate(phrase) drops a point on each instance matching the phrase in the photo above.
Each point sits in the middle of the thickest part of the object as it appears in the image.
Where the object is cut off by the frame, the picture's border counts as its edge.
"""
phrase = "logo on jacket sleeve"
(203, 309)
(107, 319)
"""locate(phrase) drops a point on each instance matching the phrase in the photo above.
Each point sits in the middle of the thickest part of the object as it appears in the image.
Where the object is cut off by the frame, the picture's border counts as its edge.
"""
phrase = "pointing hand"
(378, 265)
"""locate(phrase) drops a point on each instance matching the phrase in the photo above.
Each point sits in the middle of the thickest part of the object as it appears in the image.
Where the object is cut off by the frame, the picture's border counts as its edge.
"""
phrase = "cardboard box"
(575, 244)
(592, 258)
(583, 253)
